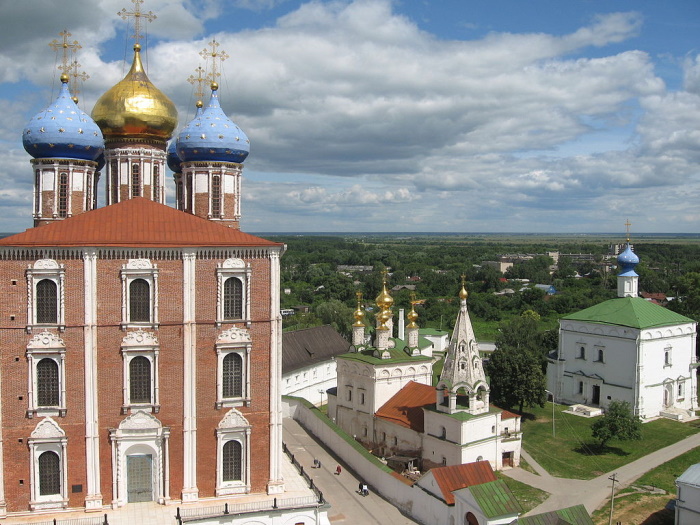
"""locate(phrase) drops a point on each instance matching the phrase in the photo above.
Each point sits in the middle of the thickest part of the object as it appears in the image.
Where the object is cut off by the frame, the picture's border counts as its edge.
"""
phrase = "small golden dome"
(384, 300)
(412, 317)
(463, 291)
(359, 315)
(135, 108)
(384, 317)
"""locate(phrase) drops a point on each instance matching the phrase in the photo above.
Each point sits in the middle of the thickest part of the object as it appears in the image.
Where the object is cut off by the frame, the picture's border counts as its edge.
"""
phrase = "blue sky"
(406, 115)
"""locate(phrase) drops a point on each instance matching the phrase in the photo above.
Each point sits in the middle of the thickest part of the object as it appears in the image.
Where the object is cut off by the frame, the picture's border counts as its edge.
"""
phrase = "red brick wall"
(14, 369)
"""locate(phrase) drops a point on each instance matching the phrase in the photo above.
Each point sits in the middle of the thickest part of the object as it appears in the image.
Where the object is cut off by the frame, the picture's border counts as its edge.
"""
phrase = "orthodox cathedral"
(627, 349)
(386, 399)
(141, 343)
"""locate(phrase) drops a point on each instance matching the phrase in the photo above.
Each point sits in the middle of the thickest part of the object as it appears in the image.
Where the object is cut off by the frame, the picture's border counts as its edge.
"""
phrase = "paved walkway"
(593, 493)
(347, 506)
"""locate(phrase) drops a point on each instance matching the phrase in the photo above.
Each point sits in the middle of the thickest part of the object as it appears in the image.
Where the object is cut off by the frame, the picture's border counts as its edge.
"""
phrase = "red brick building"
(140, 344)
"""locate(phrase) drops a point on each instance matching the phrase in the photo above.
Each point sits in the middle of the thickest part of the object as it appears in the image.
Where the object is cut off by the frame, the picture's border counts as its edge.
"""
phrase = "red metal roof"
(136, 222)
(405, 408)
(457, 477)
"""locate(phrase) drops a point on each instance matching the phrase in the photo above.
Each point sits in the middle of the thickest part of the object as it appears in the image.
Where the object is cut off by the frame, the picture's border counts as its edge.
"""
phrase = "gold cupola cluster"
(135, 109)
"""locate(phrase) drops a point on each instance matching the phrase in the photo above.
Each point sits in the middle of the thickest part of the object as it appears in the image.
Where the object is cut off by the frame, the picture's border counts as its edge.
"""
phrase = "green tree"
(336, 314)
(516, 378)
(617, 423)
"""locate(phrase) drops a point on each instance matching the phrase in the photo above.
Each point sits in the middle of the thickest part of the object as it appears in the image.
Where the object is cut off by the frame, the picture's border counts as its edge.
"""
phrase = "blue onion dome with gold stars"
(173, 160)
(212, 136)
(627, 260)
(63, 131)
(134, 109)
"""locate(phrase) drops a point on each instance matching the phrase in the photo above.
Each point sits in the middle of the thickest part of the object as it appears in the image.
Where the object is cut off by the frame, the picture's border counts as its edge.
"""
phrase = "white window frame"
(40, 270)
(680, 389)
(581, 351)
(47, 437)
(668, 356)
(46, 345)
(239, 269)
(140, 344)
(238, 341)
(233, 427)
(139, 269)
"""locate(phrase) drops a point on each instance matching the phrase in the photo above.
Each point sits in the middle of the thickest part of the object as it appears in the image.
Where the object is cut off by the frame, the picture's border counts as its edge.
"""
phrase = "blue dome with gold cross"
(212, 136)
(627, 260)
(63, 131)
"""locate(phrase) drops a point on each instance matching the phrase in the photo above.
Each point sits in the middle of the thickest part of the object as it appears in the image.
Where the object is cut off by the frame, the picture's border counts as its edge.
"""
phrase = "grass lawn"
(528, 497)
(572, 452)
(664, 476)
(647, 508)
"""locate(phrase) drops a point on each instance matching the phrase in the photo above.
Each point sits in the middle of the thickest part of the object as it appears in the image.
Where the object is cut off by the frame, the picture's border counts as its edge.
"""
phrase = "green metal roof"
(576, 515)
(495, 499)
(432, 331)
(398, 355)
(633, 312)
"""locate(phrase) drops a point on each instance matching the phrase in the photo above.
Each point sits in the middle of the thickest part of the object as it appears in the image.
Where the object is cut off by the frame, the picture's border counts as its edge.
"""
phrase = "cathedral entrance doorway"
(596, 395)
(668, 395)
(139, 478)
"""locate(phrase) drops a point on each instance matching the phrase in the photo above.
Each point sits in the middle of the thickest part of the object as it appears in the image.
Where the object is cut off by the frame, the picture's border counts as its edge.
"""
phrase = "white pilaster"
(190, 492)
(276, 483)
(93, 498)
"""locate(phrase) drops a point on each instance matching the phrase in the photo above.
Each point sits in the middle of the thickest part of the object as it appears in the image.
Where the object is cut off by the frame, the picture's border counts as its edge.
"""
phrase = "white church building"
(627, 349)
(386, 399)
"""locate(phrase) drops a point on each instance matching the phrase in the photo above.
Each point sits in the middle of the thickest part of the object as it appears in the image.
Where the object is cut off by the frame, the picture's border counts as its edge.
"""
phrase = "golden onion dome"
(359, 314)
(384, 317)
(384, 300)
(412, 317)
(135, 108)
(463, 293)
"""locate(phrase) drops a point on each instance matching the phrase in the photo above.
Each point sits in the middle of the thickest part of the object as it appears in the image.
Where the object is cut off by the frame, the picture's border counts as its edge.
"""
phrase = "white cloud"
(399, 127)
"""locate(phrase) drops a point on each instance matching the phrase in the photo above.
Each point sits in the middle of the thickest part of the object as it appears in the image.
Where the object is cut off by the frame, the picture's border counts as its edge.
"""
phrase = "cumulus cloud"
(394, 123)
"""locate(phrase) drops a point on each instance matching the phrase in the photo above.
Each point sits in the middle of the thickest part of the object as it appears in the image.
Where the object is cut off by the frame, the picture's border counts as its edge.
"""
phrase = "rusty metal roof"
(136, 222)
(405, 408)
(456, 477)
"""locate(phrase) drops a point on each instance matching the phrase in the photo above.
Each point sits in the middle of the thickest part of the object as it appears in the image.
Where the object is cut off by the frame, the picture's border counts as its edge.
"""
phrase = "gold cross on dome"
(67, 48)
(627, 226)
(137, 15)
(217, 57)
(199, 80)
(76, 76)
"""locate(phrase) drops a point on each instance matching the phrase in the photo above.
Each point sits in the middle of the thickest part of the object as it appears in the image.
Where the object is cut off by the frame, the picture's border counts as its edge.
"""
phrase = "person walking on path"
(338, 470)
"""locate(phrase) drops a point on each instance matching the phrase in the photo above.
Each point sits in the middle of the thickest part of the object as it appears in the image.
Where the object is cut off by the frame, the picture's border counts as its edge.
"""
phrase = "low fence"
(300, 468)
(96, 520)
(422, 506)
(192, 514)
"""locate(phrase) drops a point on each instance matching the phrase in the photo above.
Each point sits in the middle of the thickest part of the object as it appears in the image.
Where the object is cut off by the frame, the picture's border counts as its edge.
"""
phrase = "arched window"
(88, 193)
(63, 195)
(46, 302)
(140, 380)
(139, 301)
(470, 519)
(37, 192)
(233, 299)
(135, 181)
(216, 196)
(156, 183)
(232, 376)
(188, 196)
(232, 454)
(114, 177)
(49, 474)
(47, 383)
